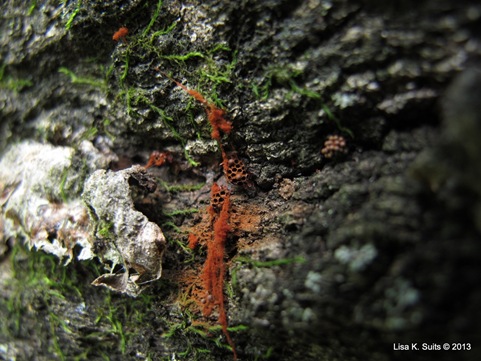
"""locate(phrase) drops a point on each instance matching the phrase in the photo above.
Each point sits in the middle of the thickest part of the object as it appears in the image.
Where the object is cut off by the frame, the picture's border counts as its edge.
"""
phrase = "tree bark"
(354, 235)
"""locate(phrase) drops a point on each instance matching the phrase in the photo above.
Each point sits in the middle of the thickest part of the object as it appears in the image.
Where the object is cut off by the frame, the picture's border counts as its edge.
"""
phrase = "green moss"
(35, 276)
(194, 335)
(188, 253)
(178, 188)
(213, 333)
(171, 225)
(191, 161)
(94, 131)
(259, 92)
(336, 120)
(104, 130)
(142, 44)
(162, 32)
(55, 322)
(72, 16)
(108, 71)
(104, 229)
(213, 71)
(266, 356)
(273, 263)
(120, 317)
(259, 264)
(172, 236)
(123, 76)
(154, 17)
(303, 91)
(89, 134)
(285, 77)
(13, 84)
(83, 80)
(32, 7)
(135, 97)
(183, 58)
(216, 71)
(39, 298)
(180, 212)
(61, 186)
(110, 314)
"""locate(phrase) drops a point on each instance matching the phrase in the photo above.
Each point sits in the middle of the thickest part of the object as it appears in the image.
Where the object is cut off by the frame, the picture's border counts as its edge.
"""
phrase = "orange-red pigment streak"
(213, 272)
(214, 268)
(193, 241)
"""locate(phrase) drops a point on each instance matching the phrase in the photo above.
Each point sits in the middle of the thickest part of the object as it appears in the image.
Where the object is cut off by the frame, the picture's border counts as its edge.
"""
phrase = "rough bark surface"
(358, 122)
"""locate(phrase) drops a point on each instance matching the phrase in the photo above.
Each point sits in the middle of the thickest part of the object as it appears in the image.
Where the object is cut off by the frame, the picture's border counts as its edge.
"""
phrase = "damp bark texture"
(356, 229)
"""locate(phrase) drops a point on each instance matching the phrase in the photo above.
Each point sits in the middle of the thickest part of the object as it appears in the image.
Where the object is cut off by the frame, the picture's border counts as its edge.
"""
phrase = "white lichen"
(33, 181)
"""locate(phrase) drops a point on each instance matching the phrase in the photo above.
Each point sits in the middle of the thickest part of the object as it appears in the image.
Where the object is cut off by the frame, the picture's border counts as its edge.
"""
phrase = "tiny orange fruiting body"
(120, 34)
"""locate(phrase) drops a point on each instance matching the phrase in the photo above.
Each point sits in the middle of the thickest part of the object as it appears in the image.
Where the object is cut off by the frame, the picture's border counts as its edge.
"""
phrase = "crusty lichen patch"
(121, 235)
(39, 196)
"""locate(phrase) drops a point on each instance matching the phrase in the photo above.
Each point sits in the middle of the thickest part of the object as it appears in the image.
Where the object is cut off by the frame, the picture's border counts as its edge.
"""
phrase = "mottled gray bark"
(344, 253)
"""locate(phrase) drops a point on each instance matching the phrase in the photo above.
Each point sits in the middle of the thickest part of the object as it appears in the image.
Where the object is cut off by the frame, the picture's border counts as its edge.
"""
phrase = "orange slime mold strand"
(218, 122)
(193, 241)
(214, 269)
(195, 94)
(215, 115)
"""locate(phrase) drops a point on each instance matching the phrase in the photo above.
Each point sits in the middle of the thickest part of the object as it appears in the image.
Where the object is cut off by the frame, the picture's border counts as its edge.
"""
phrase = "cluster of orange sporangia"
(217, 197)
(235, 170)
(333, 146)
(203, 231)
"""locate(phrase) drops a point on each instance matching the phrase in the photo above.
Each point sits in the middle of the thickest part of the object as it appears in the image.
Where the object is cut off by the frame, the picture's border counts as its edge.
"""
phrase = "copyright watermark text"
(425, 346)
